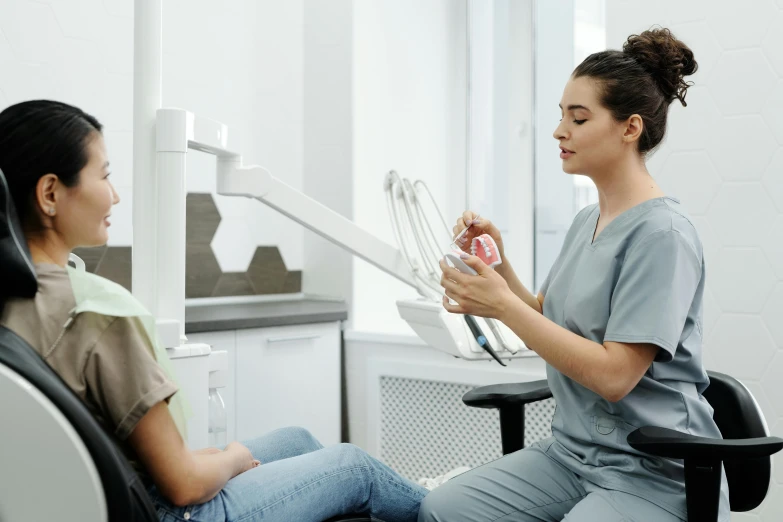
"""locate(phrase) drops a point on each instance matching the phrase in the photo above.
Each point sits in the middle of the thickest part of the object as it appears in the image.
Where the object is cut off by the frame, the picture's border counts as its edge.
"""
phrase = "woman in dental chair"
(618, 319)
(56, 165)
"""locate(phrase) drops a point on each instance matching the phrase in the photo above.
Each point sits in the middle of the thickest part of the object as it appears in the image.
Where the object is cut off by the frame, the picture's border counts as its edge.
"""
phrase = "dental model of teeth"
(485, 248)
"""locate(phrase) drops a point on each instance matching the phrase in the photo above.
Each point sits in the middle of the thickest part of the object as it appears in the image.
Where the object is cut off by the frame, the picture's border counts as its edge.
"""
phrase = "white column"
(147, 60)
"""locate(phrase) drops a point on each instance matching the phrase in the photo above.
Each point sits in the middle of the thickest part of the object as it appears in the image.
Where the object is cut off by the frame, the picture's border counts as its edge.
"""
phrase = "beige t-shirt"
(107, 361)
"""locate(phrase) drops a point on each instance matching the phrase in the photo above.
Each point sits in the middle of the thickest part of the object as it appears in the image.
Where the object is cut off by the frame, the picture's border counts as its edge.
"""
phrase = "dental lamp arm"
(256, 182)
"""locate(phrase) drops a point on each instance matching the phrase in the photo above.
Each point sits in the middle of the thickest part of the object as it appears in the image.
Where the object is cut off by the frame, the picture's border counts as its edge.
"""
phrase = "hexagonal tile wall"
(773, 247)
(690, 127)
(772, 45)
(741, 133)
(759, 79)
(773, 384)
(773, 110)
(741, 214)
(731, 33)
(743, 280)
(741, 346)
(692, 177)
(739, 91)
(772, 314)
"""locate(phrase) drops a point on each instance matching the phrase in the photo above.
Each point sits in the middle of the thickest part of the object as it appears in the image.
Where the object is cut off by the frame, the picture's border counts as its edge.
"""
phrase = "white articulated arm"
(253, 181)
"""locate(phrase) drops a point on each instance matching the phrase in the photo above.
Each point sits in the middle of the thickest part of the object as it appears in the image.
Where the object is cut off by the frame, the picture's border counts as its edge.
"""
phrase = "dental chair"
(745, 451)
(56, 460)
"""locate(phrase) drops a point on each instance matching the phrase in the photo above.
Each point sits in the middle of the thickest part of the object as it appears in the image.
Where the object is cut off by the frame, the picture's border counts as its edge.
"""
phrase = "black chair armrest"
(673, 444)
(510, 400)
(508, 394)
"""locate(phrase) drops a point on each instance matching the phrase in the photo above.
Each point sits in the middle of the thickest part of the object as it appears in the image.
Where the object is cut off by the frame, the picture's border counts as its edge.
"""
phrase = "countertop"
(233, 315)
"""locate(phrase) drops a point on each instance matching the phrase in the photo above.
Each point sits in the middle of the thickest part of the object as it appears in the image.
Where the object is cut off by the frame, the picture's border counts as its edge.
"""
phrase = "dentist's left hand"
(485, 295)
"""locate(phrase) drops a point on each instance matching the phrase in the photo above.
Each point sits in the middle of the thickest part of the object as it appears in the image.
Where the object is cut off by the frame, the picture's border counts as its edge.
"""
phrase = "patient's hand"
(242, 457)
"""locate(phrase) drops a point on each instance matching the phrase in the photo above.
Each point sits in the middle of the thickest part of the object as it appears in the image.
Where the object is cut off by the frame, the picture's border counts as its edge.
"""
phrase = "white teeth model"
(484, 244)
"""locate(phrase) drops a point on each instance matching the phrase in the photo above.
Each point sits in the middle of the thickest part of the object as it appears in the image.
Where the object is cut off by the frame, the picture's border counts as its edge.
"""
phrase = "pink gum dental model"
(485, 248)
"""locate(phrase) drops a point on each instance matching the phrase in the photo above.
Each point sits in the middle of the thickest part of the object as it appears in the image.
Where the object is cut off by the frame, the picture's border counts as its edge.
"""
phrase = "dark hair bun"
(665, 58)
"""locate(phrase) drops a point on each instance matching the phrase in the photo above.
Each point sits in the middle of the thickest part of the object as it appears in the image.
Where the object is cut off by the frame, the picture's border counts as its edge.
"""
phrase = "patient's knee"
(301, 438)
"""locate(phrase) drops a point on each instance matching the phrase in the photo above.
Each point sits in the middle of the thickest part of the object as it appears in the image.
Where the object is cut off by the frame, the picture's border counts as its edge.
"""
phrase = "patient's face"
(83, 212)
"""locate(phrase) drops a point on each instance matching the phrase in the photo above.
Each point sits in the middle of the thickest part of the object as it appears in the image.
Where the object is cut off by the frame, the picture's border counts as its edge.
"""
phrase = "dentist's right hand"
(479, 226)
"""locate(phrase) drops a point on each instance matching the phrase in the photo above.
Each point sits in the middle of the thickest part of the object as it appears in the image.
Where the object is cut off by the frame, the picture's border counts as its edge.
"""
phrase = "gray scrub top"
(640, 281)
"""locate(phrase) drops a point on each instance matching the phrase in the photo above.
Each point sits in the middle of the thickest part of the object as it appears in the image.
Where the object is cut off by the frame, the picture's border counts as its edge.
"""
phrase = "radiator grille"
(426, 430)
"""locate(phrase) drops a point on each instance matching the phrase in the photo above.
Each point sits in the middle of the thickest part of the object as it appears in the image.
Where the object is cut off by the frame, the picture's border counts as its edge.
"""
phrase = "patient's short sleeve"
(655, 291)
(123, 376)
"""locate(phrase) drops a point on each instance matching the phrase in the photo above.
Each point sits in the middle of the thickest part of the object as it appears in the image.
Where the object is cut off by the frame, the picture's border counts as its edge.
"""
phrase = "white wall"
(241, 64)
(408, 115)
(724, 158)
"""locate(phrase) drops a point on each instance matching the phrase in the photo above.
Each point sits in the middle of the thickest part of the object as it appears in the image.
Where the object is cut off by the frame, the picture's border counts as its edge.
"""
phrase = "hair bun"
(665, 58)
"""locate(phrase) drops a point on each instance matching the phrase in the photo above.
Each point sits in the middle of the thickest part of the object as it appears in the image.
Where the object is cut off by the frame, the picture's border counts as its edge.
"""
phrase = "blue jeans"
(301, 481)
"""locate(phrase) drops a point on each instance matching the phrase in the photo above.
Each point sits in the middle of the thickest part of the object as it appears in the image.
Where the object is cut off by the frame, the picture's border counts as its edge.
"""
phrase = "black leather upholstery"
(18, 275)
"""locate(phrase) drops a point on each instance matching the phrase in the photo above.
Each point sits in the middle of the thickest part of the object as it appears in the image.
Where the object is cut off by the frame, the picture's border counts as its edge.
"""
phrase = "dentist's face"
(590, 138)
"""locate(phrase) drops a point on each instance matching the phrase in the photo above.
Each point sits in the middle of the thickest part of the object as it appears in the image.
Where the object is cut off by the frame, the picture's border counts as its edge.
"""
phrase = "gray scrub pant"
(528, 485)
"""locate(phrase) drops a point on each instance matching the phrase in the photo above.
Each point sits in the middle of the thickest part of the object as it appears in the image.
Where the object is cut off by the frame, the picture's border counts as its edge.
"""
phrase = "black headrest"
(16, 266)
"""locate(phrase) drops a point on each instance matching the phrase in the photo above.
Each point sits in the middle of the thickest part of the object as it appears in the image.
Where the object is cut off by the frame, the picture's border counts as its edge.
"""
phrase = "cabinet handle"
(271, 340)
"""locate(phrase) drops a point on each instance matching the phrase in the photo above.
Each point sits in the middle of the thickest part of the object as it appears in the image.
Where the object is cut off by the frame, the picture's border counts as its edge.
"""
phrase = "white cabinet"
(289, 376)
(281, 376)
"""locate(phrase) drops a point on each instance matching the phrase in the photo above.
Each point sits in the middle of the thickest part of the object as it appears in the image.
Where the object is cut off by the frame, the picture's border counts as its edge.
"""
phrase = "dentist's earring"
(51, 211)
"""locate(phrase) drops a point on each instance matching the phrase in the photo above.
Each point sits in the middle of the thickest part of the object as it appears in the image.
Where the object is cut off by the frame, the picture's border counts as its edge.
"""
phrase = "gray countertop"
(233, 316)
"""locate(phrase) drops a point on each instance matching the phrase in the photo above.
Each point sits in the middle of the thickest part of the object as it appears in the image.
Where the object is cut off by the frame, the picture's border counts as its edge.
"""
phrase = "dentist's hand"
(485, 295)
(479, 226)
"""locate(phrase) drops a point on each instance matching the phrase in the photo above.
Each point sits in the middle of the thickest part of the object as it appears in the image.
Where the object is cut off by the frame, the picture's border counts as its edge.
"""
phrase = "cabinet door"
(289, 376)
(225, 340)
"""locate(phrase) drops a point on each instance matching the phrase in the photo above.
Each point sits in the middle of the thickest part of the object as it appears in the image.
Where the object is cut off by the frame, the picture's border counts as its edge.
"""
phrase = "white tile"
(682, 12)
(690, 127)
(772, 507)
(709, 242)
(762, 398)
(773, 112)
(658, 158)
(625, 18)
(233, 245)
(773, 316)
(745, 517)
(80, 18)
(742, 346)
(712, 312)
(741, 214)
(773, 247)
(741, 147)
(690, 177)
(122, 8)
(773, 44)
(776, 430)
(773, 384)
(31, 29)
(704, 45)
(743, 280)
(6, 53)
(780, 4)
(740, 24)
(236, 207)
(741, 82)
(773, 179)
